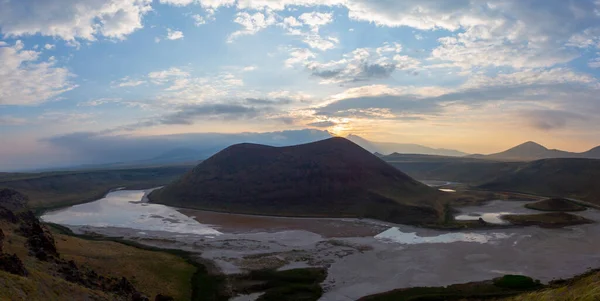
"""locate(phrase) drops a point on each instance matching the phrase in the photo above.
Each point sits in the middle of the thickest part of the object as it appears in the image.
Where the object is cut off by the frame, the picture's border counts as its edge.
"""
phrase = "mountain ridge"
(404, 148)
(531, 151)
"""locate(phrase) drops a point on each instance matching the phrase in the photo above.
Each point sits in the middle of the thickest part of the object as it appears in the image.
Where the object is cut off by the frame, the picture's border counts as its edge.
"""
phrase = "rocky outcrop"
(161, 297)
(90, 279)
(12, 264)
(41, 244)
(1, 241)
(39, 239)
(13, 200)
(139, 297)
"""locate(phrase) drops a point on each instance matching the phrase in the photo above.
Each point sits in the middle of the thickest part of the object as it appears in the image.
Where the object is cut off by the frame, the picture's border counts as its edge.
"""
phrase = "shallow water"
(125, 209)
(396, 235)
(397, 256)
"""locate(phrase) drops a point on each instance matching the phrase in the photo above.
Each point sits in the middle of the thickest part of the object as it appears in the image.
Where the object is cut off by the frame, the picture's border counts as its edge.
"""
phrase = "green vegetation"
(150, 271)
(292, 285)
(516, 282)
(205, 285)
(49, 190)
(585, 287)
(572, 178)
(555, 204)
(547, 220)
(455, 169)
(498, 288)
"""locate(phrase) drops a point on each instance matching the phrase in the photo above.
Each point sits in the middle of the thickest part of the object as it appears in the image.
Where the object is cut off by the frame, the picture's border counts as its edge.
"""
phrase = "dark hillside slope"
(332, 177)
(573, 178)
(463, 170)
(55, 189)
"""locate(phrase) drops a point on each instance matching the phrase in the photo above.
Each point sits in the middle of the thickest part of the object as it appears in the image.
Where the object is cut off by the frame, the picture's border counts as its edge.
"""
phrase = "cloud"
(198, 20)
(163, 76)
(547, 120)
(49, 46)
(174, 34)
(27, 80)
(363, 64)
(557, 90)
(266, 101)
(127, 82)
(310, 35)
(73, 19)
(188, 114)
(8, 120)
(517, 34)
(99, 102)
(322, 124)
(299, 56)
(251, 23)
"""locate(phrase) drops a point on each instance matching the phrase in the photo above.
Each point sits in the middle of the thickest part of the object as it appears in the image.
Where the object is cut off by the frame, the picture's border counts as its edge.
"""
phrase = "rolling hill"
(332, 177)
(453, 169)
(62, 188)
(530, 151)
(573, 178)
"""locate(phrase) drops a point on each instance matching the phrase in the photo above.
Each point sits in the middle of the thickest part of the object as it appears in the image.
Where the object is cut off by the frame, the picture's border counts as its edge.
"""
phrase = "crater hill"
(332, 177)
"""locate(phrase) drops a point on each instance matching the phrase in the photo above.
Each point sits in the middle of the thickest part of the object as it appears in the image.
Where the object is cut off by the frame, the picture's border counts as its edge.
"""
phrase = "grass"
(547, 220)
(516, 282)
(466, 291)
(151, 272)
(50, 190)
(204, 285)
(290, 285)
(585, 287)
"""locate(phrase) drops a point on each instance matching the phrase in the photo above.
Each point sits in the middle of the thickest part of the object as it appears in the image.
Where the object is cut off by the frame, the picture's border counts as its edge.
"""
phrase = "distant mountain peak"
(404, 148)
(531, 145)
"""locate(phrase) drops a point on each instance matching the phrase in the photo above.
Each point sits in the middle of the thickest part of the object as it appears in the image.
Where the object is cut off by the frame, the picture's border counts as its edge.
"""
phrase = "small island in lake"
(556, 204)
(547, 220)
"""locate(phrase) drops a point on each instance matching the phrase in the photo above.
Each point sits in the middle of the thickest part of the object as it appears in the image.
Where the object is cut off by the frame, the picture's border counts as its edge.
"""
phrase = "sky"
(473, 75)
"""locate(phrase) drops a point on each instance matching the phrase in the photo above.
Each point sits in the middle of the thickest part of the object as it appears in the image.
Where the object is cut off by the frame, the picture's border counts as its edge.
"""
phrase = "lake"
(363, 256)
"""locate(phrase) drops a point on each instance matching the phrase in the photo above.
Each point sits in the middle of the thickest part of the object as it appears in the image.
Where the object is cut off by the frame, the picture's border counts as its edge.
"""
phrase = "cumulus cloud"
(73, 19)
(299, 56)
(364, 64)
(174, 34)
(251, 23)
(27, 80)
(556, 88)
(307, 26)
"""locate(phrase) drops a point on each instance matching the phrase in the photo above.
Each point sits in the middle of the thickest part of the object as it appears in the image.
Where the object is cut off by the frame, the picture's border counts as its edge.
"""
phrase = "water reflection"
(123, 209)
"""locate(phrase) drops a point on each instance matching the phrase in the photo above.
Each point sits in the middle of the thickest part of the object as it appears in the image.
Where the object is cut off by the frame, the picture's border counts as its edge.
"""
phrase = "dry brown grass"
(584, 289)
(151, 272)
